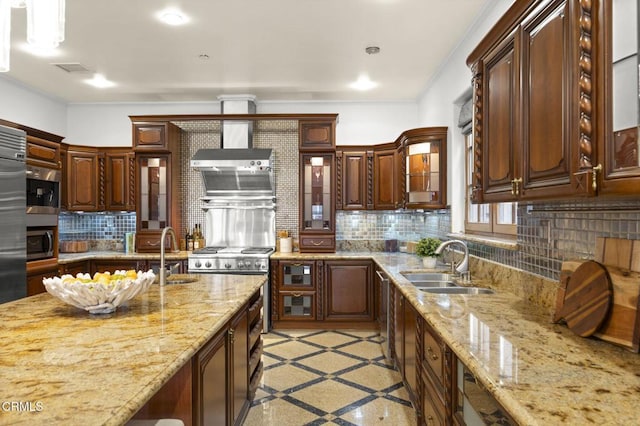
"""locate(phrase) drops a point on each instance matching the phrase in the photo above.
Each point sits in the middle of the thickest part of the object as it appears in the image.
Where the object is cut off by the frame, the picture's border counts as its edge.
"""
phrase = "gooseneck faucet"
(463, 267)
(163, 271)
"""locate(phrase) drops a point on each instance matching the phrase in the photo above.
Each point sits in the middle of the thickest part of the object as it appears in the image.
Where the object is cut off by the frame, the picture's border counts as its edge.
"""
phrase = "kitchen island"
(61, 365)
(540, 372)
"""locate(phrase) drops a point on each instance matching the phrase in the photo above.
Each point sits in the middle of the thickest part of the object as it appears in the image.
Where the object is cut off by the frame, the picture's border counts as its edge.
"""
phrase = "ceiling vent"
(72, 67)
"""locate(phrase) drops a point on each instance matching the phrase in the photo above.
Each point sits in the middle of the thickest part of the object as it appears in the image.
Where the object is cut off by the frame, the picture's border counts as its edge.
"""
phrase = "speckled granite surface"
(65, 258)
(540, 372)
(67, 367)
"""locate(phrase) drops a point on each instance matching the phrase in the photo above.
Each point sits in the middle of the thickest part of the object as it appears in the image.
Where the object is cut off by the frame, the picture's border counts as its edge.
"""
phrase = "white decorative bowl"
(98, 297)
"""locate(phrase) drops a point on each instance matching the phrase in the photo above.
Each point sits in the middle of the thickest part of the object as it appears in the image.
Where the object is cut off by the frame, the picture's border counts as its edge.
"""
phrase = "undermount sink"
(434, 284)
(181, 279)
(457, 290)
(427, 276)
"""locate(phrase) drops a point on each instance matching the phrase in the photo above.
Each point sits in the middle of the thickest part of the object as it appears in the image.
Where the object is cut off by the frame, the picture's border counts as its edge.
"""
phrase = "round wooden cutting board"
(587, 298)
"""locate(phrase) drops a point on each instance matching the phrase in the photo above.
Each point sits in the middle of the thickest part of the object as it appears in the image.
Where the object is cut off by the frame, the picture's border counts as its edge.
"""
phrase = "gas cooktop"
(233, 250)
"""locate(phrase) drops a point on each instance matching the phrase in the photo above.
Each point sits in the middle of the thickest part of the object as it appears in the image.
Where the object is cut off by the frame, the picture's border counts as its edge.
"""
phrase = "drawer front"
(297, 305)
(311, 244)
(433, 409)
(148, 242)
(434, 356)
(297, 275)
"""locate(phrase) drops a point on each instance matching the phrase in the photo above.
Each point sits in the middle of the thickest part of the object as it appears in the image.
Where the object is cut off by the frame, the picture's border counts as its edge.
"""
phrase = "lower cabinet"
(220, 380)
(36, 271)
(310, 293)
(75, 268)
(348, 290)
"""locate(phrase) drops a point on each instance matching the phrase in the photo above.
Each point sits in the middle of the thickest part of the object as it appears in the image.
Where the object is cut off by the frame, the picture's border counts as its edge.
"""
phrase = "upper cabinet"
(408, 173)
(620, 95)
(157, 182)
(532, 139)
(317, 203)
(317, 135)
(317, 222)
(425, 168)
(98, 179)
(154, 136)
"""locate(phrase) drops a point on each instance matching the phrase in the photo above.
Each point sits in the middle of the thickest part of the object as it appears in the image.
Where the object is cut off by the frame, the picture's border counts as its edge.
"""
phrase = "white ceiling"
(274, 49)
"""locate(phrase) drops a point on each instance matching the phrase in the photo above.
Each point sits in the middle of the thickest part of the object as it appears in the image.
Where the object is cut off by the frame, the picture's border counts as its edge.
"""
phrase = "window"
(497, 219)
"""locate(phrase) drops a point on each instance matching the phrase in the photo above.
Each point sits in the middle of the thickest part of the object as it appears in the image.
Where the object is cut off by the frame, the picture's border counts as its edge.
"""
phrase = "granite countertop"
(64, 258)
(542, 373)
(61, 365)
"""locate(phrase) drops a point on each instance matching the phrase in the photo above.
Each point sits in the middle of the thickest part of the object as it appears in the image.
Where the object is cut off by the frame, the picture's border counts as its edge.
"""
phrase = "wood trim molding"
(586, 83)
(243, 117)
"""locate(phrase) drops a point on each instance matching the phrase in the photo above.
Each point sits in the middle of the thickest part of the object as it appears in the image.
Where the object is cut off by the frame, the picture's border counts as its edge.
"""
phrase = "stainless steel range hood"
(236, 170)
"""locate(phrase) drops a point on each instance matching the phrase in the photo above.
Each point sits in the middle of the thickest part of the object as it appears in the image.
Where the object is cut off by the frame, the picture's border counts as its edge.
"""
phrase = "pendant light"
(5, 34)
(45, 23)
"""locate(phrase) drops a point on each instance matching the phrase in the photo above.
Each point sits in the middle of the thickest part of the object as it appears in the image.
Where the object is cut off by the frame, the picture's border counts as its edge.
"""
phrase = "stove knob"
(240, 264)
(227, 265)
(252, 162)
(259, 163)
(198, 264)
(208, 264)
(258, 265)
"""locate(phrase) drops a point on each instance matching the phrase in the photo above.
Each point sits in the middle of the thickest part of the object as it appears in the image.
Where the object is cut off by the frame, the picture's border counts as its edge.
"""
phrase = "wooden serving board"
(587, 298)
(622, 324)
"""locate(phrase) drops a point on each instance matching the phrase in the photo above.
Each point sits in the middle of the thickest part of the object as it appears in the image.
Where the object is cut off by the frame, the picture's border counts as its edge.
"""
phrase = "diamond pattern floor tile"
(317, 377)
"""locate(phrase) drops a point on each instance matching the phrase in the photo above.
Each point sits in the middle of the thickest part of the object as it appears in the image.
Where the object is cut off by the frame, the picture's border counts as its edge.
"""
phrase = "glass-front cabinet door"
(153, 193)
(317, 203)
(621, 165)
(425, 170)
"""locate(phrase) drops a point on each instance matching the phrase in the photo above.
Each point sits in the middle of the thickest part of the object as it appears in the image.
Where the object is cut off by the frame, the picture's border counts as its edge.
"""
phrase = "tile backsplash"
(95, 226)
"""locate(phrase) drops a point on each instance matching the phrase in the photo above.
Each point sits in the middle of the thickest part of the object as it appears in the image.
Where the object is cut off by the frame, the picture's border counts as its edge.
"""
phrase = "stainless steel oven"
(40, 244)
(43, 190)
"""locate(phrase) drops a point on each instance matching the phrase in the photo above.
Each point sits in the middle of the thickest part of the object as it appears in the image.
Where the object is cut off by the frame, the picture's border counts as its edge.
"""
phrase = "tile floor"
(316, 377)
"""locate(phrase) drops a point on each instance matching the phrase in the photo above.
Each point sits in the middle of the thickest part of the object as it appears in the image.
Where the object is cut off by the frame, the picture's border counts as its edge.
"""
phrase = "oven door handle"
(49, 248)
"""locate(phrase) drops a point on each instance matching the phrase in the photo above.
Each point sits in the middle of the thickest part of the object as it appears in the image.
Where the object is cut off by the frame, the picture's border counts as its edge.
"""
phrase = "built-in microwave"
(43, 190)
(40, 244)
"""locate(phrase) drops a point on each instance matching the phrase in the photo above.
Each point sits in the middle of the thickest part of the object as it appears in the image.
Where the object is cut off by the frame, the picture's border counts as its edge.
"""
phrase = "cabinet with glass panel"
(317, 203)
(295, 290)
(425, 167)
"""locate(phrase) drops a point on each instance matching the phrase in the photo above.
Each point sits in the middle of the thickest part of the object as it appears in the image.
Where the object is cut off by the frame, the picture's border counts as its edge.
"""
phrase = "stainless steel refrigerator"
(13, 214)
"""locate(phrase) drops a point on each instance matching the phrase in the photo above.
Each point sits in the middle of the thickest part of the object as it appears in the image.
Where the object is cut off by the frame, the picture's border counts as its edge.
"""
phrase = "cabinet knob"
(432, 354)
(594, 177)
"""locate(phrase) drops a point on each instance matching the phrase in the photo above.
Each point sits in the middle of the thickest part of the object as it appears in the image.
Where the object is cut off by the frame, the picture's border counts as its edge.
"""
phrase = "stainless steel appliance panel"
(40, 244)
(240, 226)
(43, 190)
(13, 253)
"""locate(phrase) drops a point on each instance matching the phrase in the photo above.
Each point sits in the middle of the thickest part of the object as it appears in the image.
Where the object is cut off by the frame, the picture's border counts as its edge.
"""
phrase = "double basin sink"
(441, 283)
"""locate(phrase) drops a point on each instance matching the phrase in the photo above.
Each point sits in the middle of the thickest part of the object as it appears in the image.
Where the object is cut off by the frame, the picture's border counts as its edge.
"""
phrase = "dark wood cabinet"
(423, 168)
(154, 136)
(385, 179)
(98, 179)
(36, 271)
(99, 265)
(617, 125)
(313, 293)
(319, 135)
(79, 267)
(212, 388)
(409, 342)
(397, 340)
(83, 179)
(354, 173)
(157, 180)
(43, 152)
(533, 136)
(294, 295)
(317, 202)
(348, 290)
(118, 190)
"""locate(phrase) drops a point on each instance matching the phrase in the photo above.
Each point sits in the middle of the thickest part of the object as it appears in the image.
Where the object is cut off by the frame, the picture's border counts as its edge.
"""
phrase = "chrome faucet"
(463, 267)
(163, 271)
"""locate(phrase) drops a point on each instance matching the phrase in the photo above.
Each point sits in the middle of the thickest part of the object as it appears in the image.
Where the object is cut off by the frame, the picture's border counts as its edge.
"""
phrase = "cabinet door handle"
(432, 354)
(232, 337)
(319, 243)
(594, 177)
(297, 294)
(515, 186)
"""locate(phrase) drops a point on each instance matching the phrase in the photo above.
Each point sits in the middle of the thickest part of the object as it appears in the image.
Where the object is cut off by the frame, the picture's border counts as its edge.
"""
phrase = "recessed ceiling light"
(363, 83)
(172, 17)
(372, 50)
(100, 81)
